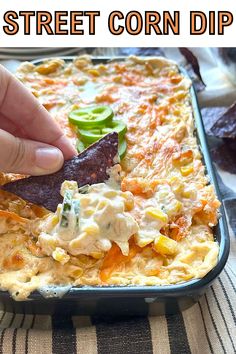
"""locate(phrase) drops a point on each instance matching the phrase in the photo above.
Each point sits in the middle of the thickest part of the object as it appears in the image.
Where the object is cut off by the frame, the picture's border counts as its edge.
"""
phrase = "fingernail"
(49, 159)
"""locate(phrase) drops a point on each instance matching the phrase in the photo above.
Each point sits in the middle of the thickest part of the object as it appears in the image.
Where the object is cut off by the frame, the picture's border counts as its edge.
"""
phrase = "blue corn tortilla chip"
(217, 122)
(224, 155)
(225, 126)
(193, 69)
(89, 167)
(210, 116)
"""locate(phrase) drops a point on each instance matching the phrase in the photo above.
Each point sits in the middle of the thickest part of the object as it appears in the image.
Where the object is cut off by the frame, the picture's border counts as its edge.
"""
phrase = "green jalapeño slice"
(122, 149)
(92, 135)
(89, 117)
(80, 146)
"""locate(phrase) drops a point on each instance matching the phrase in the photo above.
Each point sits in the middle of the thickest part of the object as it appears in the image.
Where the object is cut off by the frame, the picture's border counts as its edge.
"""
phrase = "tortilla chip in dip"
(89, 167)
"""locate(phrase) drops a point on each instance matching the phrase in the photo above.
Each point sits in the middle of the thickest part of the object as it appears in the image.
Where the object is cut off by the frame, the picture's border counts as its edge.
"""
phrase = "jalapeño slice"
(117, 126)
(122, 149)
(80, 146)
(92, 135)
(89, 117)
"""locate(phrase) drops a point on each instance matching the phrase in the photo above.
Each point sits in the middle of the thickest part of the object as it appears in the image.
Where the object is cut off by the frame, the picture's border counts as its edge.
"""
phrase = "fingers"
(8, 126)
(28, 157)
(24, 110)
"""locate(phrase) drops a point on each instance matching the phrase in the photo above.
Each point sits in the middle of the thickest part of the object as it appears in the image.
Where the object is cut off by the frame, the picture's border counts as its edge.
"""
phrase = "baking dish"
(132, 300)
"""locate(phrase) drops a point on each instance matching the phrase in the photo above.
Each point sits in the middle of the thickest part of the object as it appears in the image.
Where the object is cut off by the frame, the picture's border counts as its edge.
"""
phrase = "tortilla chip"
(193, 69)
(210, 116)
(224, 155)
(89, 167)
(141, 51)
(225, 126)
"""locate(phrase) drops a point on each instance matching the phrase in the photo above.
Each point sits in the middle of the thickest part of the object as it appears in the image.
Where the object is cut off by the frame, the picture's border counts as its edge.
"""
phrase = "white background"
(103, 38)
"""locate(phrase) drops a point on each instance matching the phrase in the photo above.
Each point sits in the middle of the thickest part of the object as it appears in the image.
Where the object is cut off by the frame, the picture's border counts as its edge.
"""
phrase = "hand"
(30, 140)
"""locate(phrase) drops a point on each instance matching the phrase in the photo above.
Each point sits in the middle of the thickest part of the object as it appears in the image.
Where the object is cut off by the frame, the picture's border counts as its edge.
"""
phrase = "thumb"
(27, 156)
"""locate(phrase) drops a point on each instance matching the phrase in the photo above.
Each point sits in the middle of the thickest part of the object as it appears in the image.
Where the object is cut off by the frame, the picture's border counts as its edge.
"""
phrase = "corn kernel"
(186, 170)
(157, 214)
(110, 194)
(84, 201)
(54, 220)
(102, 67)
(129, 200)
(102, 204)
(52, 242)
(89, 212)
(71, 186)
(143, 242)
(35, 93)
(82, 62)
(49, 67)
(178, 206)
(93, 72)
(92, 229)
(117, 79)
(177, 112)
(80, 81)
(186, 194)
(74, 107)
(177, 189)
(165, 245)
(97, 255)
(60, 255)
(173, 180)
(152, 272)
(78, 242)
(75, 272)
(173, 208)
(129, 204)
(186, 157)
(187, 276)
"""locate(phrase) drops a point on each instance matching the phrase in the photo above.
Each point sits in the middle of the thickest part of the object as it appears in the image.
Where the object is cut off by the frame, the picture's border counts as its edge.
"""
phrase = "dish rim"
(220, 231)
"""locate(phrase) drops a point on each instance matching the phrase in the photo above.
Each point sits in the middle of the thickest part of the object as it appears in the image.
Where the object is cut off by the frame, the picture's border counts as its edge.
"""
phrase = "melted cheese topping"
(102, 220)
(166, 237)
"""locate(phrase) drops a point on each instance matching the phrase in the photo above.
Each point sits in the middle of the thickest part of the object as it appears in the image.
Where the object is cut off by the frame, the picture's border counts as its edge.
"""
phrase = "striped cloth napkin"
(207, 327)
